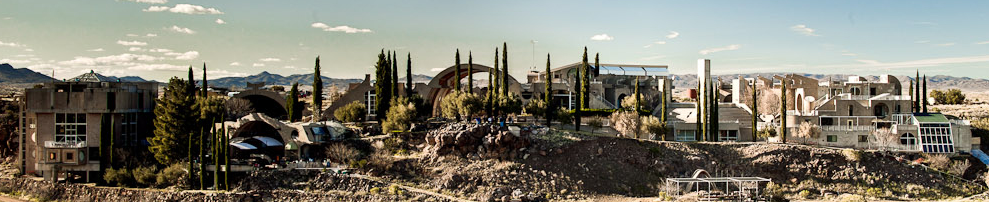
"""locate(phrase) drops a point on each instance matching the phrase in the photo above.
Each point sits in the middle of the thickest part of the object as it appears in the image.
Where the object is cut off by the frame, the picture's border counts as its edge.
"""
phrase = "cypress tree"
(317, 93)
(205, 87)
(548, 95)
(715, 127)
(924, 101)
(292, 104)
(504, 69)
(470, 72)
(662, 115)
(913, 96)
(638, 105)
(916, 103)
(704, 107)
(408, 77)
(394, 74)
(488, 105)
(698, 134)
(497, 75)
(456, 64)
(226, 156)
(576, 111)
(381, 87)
(597, 66)
(202, 159)
(192, 82)
(783, 110)
(584, 80)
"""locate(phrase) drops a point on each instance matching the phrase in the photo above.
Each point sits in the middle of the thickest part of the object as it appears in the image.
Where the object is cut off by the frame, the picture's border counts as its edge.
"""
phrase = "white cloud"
(189, 55)
(159, 50)
(224, 73)
(158, 67)
(983, 43)
(131, 35)
(184, 8)
(602, 37)
(11, 44)
(289, 67)
(719, 49)
(220, 21)
(12, 61)
(847, 53)
(113, 60)
(24, 55)
(673, 35)
(924, 41)
(258, 65)
(654, 43)
(131, 43)
(436, 69)
(150, 1)
(270, 60)
(945, 44)
(234, 64)
(96, 50)
(183, 30)
(149, 35)
(8, 18)
(912, 64)
(29, 50)
(341, 28)
(656, 57)
(132, 49)
(803, 29)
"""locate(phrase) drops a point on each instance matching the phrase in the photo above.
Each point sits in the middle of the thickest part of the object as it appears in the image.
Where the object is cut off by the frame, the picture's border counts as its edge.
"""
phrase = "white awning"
(243, 146)
(268, 142)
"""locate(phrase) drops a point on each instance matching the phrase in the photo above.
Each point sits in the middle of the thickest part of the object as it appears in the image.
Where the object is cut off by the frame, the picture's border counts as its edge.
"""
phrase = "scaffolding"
(719, 188)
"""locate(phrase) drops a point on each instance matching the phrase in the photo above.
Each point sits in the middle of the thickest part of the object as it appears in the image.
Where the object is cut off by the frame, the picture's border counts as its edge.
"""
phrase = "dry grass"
(938, 161)
(959, 167)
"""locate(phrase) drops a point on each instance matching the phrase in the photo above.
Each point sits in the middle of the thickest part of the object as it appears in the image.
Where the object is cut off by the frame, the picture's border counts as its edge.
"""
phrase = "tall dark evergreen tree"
(497, 75)
(783, 109)
(576, 110)
(924, 98)
(715, 127)
(382, 86)
(408, 77)
(172, 130)
(470, 72)
(192, 81)
(394, 74)
(913, 97)
(755, 109)
(548, 95)
(504, 69)
(704, 108)
(662, 115)
(698, 134)
(489, 99)
(292, 104)
(317, 93)
(638, 98)
(456, 64)
(205, 89)
(916, 103)
(584, 80)
(597, 66)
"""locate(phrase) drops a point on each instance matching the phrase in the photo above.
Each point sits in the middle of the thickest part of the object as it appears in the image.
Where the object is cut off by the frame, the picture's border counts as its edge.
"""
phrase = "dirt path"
(412, 189)
(9, 199)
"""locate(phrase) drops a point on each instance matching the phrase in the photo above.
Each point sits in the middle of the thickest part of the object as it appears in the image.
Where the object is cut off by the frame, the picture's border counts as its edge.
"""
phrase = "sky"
(160, 39)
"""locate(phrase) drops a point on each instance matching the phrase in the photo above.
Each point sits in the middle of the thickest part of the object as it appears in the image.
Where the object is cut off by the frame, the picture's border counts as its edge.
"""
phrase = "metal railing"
(56, 144)
(848, 128)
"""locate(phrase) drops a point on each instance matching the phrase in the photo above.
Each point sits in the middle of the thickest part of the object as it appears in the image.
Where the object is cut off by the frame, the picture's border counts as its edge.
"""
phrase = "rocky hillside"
(10, 75)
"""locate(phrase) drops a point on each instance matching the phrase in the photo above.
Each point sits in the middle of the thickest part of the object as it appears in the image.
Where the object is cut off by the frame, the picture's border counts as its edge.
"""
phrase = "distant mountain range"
(11, 76)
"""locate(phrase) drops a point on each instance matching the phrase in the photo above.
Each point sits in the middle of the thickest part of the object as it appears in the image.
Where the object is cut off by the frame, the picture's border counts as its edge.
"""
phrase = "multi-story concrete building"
(72, 125)
(610, 84)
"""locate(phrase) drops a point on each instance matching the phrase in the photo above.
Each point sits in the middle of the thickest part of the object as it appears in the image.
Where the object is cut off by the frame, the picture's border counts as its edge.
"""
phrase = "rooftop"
(90, 77)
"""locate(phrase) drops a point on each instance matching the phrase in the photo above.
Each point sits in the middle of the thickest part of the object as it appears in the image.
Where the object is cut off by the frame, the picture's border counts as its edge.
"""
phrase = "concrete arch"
(443, 83)
(263, 101)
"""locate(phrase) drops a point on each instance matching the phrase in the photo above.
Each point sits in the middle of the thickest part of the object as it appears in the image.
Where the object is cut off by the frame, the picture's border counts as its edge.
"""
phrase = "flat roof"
(930, 118)
(633, 70)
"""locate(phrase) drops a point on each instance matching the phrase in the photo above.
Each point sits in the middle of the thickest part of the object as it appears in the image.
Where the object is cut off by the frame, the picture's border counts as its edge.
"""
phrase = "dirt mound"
(484, 141)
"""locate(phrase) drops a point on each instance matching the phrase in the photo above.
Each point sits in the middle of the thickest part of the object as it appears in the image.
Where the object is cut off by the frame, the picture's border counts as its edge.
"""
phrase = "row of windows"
(935, 131)
(938, 149)
(70, 127)
(690, 136)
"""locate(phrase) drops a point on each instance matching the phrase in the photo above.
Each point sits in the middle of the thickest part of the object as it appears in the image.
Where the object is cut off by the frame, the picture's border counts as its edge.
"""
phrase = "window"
(832, 138)
(908, 139)
(863, 138)
(872, 91)
(371, 110)
(52, 156)
(685, 136)
(70, 128)
(827, 121)
(851, 110)
(68, 156)
(129, 126)
(896, 109)
(728, 135)
(855, 91)
(936, 138)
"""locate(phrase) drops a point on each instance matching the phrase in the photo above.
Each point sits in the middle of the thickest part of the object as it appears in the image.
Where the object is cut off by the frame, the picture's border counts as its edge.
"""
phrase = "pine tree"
(783, 110)
(456, 64)
(408, 77)
(381, 87)
(504, 69)
(317, 93)
(584, 80)
(172, 130)
(548, 95)
(470, 72)
(292, 104)
(924, 100)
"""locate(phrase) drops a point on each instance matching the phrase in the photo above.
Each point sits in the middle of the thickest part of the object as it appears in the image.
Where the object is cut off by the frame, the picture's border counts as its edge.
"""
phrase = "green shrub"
(375, 190)
(171, 175)
(353, 112)
(119, 177)
(393, 189)
(804, 194)
(852, 155)
(399, 116)
(875, 192)
(146, 175)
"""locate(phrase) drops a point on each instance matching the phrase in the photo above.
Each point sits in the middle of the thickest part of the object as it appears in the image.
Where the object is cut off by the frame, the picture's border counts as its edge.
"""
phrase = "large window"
(70, 128)
(832, 138)
(908, 139)
(936, 138)
(727, 135)
(371, 104)
(129, 133)
(685, 136)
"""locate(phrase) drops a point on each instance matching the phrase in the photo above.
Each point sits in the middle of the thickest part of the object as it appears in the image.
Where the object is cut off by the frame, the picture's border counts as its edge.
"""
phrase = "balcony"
(848, 128)
(55, 144)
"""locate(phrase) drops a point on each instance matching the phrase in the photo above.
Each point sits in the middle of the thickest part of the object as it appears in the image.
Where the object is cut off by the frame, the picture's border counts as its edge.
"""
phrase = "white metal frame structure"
(746, 187)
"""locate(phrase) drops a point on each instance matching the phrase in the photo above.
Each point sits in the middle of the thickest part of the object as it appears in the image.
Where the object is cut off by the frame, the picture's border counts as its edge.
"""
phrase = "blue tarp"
(977, 153)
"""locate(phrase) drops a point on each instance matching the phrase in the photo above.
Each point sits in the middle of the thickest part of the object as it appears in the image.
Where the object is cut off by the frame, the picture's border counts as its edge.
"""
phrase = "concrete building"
(259, 137)
(610, 84)
(71, 125)
(734, 118)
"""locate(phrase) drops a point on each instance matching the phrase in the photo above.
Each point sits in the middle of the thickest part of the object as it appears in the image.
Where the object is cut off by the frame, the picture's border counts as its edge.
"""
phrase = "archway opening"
(266, 106)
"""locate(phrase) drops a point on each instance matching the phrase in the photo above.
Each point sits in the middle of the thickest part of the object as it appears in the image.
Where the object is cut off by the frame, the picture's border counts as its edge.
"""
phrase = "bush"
(875, 192)
(458, 105)
(594, 123)
(626, 123)
(804, 194)
(959, 167)
(852, 155)
(172, 175)
(399, 117)
(564, 116)
(510, 104)
(353, 112)
(394, 189)
(938, 161)
(808, 131)
(651, 125)
(536, 107)
(146, 175)
(381, 160)
(375, 190)
(119, 177)
(342, 153)
(767, 133)
(949, 97)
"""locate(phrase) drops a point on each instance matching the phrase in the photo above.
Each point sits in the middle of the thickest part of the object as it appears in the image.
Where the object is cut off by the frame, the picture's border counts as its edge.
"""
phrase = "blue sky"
(158, 39)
